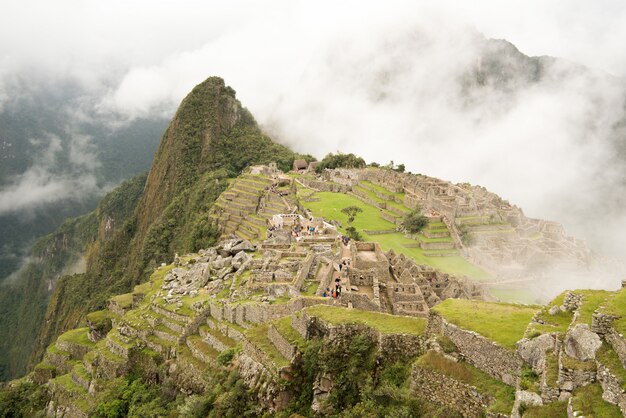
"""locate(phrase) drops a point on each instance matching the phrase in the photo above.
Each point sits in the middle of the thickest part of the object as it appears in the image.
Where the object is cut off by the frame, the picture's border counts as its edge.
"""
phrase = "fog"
(382, 80)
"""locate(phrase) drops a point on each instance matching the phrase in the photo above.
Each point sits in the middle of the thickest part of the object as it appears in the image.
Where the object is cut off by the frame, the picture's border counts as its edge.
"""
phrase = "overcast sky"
(311, 74)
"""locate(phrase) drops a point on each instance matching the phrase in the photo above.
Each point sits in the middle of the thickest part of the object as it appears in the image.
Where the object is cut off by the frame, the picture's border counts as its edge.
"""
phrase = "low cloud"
(44, 183)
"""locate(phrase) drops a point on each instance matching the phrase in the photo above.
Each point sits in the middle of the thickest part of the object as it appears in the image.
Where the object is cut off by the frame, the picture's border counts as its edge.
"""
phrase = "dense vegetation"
(340, 161)
(23, 302)
(414, 222)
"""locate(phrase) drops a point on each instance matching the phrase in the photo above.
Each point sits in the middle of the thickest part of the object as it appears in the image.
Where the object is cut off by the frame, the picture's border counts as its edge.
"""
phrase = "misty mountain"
(58, 157)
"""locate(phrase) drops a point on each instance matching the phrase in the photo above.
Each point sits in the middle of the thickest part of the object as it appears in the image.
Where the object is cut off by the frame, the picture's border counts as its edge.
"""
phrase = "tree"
(400, 168)
(351, 211)
(340, 160)
(353, 234)
(466, 236)
(414, 222)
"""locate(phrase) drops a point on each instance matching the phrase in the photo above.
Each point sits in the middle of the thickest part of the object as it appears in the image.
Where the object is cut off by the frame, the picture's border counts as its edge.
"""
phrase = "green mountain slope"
(211, 138)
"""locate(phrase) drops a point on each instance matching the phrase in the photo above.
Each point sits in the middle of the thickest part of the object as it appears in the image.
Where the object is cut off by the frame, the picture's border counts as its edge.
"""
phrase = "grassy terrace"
(609, 358)
(258, 336)
(78, 393)
(123, 301)
(503, 323)
(591, 301)
(77, 336)
(588, 400)
(552, 323)
(616, 305)
(330, 204)
(283, 325)
(557, 409)
(504, 395)
(384, 323)
(382, 189)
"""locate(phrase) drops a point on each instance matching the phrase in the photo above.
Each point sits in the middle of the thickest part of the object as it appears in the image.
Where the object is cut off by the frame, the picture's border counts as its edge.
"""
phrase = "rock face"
(581, 343)
(533, 351)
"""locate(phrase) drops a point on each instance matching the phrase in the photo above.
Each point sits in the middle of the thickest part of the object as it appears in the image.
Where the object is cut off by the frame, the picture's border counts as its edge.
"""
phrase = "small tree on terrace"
(351, 211)
(414, 222)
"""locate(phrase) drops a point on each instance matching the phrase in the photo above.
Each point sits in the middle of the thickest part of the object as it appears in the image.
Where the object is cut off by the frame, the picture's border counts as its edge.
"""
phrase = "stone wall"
(488, 356)
(401, 345)
(287, 349)
(446, 391)
(300, 322)
(617, 342)
(611, 387)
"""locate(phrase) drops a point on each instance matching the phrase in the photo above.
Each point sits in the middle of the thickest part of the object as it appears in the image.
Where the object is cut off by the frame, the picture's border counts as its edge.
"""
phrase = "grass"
(591, 301)
(124, 301)
(503, 323)
(572, 363)
(330, 206)
(609, 358)
(382, 189)
(551, 323)
(552, 369)
(588, 400)
(283, 325)
(219, 336)
(311, 288)
(78, 393)
(203, 346)
(104, 351)
(384, 323)
(77, 336)
(616, 305)
(258, 337)
(557, 409)
(504, 395)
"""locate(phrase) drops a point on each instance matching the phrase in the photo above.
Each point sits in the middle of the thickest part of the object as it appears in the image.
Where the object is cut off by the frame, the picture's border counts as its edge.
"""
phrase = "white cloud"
(43, 183)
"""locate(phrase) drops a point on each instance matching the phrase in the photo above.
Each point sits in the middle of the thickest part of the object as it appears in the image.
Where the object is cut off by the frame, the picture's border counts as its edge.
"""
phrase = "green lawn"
(503, 323)
(463, 372)
(330, 206)
(384, 323)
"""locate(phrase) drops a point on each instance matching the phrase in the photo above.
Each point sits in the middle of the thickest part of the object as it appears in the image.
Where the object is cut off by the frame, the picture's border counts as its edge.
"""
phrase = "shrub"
(466, 236)
(414, 222)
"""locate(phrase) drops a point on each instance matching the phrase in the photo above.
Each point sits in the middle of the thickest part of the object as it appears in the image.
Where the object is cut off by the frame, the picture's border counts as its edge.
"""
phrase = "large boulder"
(221, 262)
(240, 259)
(582, 343)
(244, 245)
(533, 351)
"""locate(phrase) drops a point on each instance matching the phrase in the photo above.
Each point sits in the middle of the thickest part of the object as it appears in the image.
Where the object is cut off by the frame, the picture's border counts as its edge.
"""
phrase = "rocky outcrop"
(581, 343)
